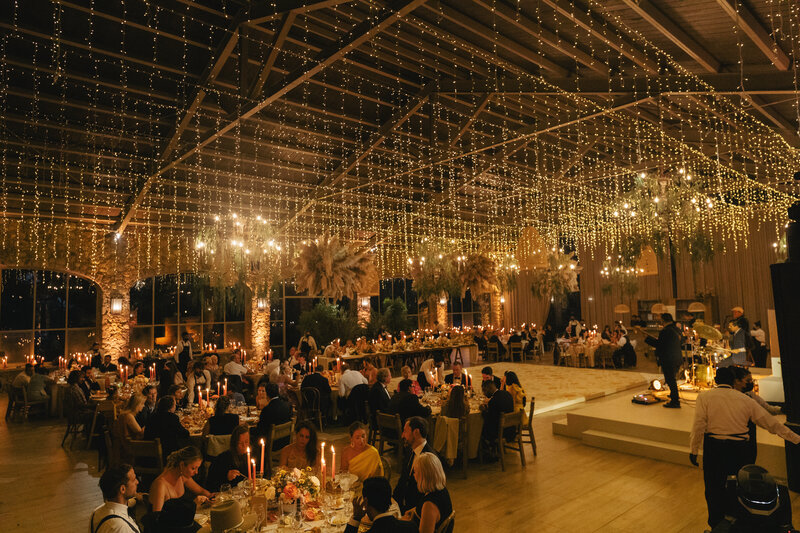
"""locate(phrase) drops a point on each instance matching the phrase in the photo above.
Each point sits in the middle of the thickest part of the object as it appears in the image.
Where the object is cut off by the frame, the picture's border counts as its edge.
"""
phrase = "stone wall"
(259, 328)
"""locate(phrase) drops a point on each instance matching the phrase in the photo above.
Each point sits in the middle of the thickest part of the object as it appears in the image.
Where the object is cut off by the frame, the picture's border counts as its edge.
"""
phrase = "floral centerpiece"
(291, 485)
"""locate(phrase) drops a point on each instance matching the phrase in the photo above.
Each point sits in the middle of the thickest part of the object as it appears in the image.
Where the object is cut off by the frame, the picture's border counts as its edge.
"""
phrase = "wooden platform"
(651, 431)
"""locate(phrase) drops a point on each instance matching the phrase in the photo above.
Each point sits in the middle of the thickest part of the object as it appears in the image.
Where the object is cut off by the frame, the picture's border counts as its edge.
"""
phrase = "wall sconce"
(443, 300)
(502, 299)
(365, 301)
(262, 304)
(116, 304)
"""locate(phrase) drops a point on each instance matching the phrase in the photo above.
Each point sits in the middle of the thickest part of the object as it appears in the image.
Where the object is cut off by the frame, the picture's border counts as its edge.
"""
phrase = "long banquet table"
(397, 358)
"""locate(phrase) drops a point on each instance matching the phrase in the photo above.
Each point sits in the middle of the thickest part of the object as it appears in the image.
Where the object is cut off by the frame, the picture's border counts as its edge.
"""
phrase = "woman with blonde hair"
(407, 374)
(434, 505)
(125, 429)
(182, 466)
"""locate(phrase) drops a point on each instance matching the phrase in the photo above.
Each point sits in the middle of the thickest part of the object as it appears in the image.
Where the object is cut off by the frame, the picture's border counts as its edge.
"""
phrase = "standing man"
(118, 484)
(744, 324)
(759, 345)
(668, 356)
(184, 351)
(721, 429)
(737, 344)
(415, 435)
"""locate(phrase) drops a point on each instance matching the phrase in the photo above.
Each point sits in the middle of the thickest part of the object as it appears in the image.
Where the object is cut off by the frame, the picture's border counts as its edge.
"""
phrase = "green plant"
(395, 315)
(327, 322)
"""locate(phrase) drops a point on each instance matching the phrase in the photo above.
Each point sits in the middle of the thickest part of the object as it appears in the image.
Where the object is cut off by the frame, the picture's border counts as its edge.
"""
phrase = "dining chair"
(277, 432)
(75, 422)
(492, 352)
(310, 406)
(109, 459)
(387, 468)
(448, 524)
(391, 431)
(148, 460)
(514, 351)
(527, 430)
(105, 413)
(510, 420)
(23, 406)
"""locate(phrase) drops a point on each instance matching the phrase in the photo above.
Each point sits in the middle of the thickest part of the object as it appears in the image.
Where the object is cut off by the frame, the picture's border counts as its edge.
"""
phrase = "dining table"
(434, 400)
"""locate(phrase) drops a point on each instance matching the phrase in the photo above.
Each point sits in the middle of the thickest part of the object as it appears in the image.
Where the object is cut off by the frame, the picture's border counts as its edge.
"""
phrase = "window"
(165, 307)
(46, 313)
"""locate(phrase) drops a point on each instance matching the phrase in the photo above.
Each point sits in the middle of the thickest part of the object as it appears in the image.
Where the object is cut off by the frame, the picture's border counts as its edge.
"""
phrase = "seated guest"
(88, 384)
(415, 435)
(126, 428)
(458, 377)
(370, 372)
(223, 422)
(488, 375)
(118, 484)
(501, 349)
(231, 465)
(375, 500)
(512, 385)
(359, 458)
(498, 402)
(319, 382)
(379, 394)
(350, 378)
(177, 516)
(211, 363)
(138, 369)
(301, 367)
(166, 377)
(406, 373)
(182, 465)
(40, 381)
(197, 377)
(430, 369)
(150, 394)
(277, 411)
(107, 365)
(374, 503)
(303, 452)
(514, 337)
(22, 379)
(456, 405)
(434, 506)
(261, 395)
(332, 350)
(178, 392)
(234, 367)
(75, 401)
(166, 425)
(625, 354)
(307, 344)
(97, 356)
(481, 340)
(406, 404)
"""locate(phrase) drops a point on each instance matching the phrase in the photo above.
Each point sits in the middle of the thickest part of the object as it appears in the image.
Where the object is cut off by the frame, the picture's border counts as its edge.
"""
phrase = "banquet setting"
(431, 266)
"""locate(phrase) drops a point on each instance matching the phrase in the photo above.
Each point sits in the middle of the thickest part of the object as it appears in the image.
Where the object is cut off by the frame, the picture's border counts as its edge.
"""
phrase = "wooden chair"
(277, 432)
(448, 524)
(510, 420)
(75, 422)
(148, 461)
(391, 431)
(564, 355)
(23, 406)
(374, 431)
(604, 354)
(110, 461)
(387, 469)
(310, 406)
(527, 430)
(6, 386)
(515, 350)
(108, 410)
(492, 351)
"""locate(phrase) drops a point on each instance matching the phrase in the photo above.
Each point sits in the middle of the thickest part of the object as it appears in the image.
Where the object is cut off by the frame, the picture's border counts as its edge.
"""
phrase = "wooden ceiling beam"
(267, 11)
(465, 125)
(277, 45)
(746, 20)
(656, 18)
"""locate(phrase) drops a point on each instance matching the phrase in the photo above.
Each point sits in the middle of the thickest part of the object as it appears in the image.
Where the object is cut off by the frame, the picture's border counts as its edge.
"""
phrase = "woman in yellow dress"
(512, 385)
(303, 452)
(360, 458)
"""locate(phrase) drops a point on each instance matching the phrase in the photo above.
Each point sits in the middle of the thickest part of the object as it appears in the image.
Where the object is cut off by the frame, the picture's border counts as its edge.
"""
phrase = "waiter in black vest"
(184, 351)
(668, 356)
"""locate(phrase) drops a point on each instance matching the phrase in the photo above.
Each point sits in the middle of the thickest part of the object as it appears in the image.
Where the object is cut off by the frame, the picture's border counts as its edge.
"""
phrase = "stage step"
(662, 451)
(561, 427)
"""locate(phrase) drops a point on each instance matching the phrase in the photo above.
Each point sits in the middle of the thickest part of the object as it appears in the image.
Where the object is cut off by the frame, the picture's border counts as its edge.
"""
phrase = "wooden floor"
(568, 487)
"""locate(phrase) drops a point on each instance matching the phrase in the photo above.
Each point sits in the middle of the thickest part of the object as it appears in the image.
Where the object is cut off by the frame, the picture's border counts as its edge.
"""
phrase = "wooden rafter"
(277, 44)
(465, 125)
(745, 19)
(656, 18)
(266, 11)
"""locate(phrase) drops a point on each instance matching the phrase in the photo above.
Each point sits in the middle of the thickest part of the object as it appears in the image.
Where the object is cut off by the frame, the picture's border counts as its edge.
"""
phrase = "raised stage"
(651, 431)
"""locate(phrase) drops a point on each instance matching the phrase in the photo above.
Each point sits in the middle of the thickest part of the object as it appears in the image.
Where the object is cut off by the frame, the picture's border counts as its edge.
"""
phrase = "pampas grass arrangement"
(326, 268)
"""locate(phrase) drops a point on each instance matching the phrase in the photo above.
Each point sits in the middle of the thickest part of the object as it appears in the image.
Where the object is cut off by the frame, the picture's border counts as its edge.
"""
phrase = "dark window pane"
(166, 299)
(51, 301)
(82, 311)
(399, 288)
(49, 344)
(142, 338)
(476, 319)
(16, 301)
(195, 333)
(456, 320)
(276, 338)
(214, 335)
(191, 298)
(81, 340)
(234, 303)
(385, 292)
(142, 301)
(213, 304)
(375, 303)
(411, 297)
(454, 305)
(289, 288)
(276, 302)
(234, 333)
(17, 346)
(467, 302)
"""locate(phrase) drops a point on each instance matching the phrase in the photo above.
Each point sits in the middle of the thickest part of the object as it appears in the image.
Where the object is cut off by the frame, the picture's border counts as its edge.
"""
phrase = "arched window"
(163, 307)
(47, 313)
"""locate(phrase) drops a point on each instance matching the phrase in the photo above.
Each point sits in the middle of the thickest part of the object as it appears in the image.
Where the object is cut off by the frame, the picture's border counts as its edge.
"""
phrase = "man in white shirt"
(234, 367)
(350, 378)
(721, 429)
(23, 378)
(118, 484)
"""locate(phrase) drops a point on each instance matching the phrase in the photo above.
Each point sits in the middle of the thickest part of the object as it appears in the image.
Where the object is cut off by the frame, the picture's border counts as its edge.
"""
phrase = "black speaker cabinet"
(786, 293)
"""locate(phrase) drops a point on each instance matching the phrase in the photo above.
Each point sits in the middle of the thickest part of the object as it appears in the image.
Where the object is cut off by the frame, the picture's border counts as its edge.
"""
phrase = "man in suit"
(415, 435)
(150, 393)
(458, 377)
(107, 365)
(277, 411)
(406, 404)
(487, 374)
(319, 382)
(668, 356)
(499, 402)
(376, 497)
(166, 425)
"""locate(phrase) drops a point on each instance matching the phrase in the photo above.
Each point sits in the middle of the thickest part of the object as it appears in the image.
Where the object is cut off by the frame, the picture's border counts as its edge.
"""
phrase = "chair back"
(492, 351)
(108, 409)
(447, 524)
(358, 401)
(217, 444)
(280, 431)
(110, 459)
(148, 458)
(19, 394)
(508, 420)
(310, 398)
(389, 424)
(387, 469)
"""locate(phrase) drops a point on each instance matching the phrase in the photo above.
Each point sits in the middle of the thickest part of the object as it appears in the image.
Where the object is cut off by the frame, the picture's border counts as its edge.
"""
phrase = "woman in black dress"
(434, 505)
(231, 465)
(223, 422)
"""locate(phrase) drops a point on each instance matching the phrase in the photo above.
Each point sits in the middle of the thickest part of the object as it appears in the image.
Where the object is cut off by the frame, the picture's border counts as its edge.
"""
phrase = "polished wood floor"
(568, 487)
